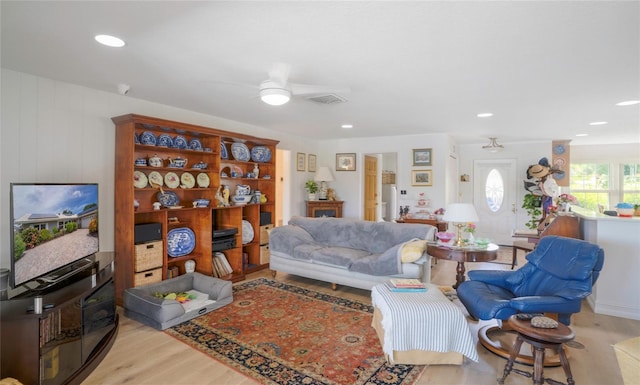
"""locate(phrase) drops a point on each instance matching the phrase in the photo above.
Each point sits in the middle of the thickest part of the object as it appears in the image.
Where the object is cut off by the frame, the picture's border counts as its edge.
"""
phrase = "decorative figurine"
(256, 171)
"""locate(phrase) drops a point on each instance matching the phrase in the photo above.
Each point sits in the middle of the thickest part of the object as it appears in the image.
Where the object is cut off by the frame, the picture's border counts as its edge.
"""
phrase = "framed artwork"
(311, 163)
(300, 158)
(422, 178)
(422, 157)
(346, 162)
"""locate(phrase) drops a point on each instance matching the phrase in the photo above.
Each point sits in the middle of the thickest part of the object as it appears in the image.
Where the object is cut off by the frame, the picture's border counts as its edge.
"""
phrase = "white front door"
(494, 197)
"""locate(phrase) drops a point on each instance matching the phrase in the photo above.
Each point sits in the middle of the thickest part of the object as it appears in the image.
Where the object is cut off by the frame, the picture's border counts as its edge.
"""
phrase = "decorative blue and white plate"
(180, 142)
(148, 125)
(261, 154)
(195, 144)
(148, 138)
(164, 140)
(135, 138)
(180, 241)
(168, 198)
(247, 232)
(223, 151)
(240, 151)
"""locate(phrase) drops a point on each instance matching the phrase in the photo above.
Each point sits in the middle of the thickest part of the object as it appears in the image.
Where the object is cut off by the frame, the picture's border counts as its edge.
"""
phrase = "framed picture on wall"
(346, 162)
(300, 158)
(422, 157)
(311, 163)
(422, 178)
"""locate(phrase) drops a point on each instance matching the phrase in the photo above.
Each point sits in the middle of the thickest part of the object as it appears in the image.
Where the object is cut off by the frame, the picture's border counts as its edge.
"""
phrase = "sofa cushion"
(412, 251)
(374, 237)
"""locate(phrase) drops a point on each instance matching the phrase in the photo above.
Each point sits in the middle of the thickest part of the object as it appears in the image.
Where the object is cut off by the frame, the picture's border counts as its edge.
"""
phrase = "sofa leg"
(334, 287)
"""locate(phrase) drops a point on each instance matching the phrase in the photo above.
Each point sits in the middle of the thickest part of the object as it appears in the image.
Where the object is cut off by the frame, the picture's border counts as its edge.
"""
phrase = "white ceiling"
(545, 69)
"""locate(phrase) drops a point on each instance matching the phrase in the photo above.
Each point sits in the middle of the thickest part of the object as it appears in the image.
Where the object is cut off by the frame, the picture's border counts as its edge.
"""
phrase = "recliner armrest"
(492, 277)
(545, 304)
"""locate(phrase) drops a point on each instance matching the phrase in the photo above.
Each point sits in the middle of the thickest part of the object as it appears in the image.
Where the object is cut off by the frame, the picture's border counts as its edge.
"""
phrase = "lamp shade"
(460, 212)
(323, 174)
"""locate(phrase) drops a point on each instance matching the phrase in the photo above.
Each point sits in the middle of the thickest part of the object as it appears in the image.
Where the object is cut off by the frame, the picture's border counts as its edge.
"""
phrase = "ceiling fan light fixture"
(275, 96)
(493, 145)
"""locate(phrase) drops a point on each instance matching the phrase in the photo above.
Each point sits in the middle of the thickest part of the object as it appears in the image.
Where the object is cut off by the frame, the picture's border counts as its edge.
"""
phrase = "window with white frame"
(605, 184)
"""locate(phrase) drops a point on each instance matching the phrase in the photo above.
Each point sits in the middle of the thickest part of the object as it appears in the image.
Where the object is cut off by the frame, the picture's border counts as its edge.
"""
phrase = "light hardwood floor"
(142, 355)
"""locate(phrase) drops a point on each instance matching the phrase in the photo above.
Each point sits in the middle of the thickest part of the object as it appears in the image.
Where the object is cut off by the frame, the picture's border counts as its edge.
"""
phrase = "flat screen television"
(54, 227)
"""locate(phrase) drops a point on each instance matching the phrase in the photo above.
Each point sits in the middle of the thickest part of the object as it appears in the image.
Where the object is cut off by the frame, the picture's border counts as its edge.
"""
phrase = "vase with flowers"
(564, 200)
(470, 229)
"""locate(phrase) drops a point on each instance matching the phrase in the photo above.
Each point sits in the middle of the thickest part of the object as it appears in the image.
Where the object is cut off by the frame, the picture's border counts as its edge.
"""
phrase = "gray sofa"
(349, 252)
(141, 305)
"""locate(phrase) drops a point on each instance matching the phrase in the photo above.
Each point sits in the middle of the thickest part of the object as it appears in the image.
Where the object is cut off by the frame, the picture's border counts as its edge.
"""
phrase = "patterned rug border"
(280, 372)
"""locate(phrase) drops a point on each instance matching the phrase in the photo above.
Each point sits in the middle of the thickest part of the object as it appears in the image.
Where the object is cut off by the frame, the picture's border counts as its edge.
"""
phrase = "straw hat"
(538, 171)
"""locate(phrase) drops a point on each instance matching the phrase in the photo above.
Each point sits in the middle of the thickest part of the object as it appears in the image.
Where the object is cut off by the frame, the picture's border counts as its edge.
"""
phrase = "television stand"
(71, 336)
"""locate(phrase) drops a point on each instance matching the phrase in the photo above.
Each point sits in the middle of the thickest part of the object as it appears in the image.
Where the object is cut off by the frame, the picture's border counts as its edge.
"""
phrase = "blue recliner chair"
(560, 272)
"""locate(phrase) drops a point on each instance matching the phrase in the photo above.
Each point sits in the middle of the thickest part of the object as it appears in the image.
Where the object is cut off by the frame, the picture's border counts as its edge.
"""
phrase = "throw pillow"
(412, 251)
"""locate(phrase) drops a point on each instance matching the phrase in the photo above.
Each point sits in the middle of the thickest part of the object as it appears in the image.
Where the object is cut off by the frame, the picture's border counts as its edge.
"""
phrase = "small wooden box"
(264, 234)
(265, 255)
(148, 256)
(146, 277)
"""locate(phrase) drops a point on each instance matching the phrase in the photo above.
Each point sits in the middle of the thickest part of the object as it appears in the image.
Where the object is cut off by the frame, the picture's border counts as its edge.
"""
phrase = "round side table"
(540, 339)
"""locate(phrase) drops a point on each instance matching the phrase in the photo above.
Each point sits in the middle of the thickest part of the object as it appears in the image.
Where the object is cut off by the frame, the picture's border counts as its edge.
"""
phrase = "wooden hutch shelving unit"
(201, 221)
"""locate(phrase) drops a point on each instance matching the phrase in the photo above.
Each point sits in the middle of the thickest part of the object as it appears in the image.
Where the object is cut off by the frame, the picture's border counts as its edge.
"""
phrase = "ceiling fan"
(277, 90)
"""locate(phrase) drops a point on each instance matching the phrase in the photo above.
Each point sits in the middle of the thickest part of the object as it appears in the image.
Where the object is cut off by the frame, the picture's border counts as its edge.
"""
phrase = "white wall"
(58, 132)
(349, 186)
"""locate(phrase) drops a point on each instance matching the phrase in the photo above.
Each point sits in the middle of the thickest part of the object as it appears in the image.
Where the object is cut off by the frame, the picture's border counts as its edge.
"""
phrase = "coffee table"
(462, 255)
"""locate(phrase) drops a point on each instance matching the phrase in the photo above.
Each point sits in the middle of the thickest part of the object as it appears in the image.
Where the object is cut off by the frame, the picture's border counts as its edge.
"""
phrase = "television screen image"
(54, 225)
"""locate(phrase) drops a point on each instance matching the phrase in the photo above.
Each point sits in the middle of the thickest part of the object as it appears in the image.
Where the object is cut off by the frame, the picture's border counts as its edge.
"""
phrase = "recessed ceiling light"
(597, 123)
(347, 126)
(582, 134)
(485, 115)
(628, 103)
(110, 41)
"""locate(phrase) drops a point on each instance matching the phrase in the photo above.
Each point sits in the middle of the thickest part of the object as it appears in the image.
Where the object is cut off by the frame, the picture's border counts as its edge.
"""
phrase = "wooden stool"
(540, 339)
(520, 245)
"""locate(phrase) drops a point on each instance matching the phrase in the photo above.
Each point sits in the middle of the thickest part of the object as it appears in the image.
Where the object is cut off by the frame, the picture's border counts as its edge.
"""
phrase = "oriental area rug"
(278, 333)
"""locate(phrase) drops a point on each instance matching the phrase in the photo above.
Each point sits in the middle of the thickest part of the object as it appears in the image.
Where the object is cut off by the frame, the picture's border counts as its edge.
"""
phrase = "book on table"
(406, 287)
(410, 283)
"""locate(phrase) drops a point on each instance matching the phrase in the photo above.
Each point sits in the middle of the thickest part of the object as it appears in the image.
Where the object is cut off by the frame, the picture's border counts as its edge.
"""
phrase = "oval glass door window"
(494, 190)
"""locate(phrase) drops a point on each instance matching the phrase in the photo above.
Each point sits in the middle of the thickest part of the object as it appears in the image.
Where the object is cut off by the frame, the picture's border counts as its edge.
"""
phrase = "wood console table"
(442, 226)
(317, 209)
(462, 255)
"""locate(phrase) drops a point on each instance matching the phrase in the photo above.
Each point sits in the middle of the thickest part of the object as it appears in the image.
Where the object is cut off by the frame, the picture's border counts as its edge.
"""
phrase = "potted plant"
(312, 188)
(532, 203)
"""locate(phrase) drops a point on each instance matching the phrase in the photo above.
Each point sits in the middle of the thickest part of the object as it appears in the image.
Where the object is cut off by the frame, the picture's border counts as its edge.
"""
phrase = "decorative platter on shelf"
(180, 241)
(188, 181)
(140, 179)
(164, 140)
(180, 142)
(261, 154)
(247, 232)
(148, 138)
(195, 144)
(240, 152)
(171, 180)
(155, 178)
(168, 198)
(203, 180)
(223, 151)
(136, 138)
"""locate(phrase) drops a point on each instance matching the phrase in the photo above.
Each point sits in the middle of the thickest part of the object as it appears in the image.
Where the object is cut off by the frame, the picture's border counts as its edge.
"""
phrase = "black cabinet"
(67, 340)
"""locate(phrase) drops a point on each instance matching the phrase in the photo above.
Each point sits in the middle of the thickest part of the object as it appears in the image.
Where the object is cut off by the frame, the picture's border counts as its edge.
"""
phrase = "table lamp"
(323, 175)
(460, 214)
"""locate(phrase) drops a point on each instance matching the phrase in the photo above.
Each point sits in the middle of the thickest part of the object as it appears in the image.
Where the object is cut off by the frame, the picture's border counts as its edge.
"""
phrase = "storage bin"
(148, 256)
(264, 234)
(264, 254)
(146, 277)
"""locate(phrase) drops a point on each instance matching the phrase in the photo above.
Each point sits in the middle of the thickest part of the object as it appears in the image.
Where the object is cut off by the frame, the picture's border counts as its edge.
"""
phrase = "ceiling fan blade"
(310, 89)
(279, 73)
